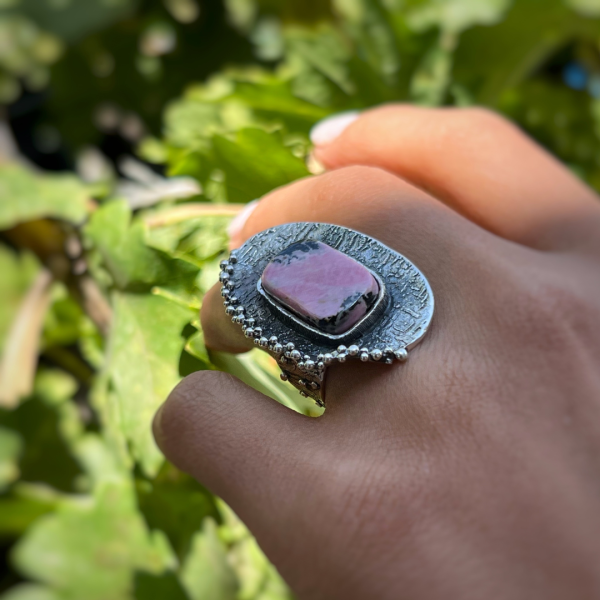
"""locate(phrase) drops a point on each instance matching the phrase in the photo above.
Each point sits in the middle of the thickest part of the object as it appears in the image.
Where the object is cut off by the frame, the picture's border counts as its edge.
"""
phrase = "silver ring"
(311, 294)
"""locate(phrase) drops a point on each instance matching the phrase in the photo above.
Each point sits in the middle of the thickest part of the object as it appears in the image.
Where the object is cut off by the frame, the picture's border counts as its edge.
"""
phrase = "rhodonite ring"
(311, 294)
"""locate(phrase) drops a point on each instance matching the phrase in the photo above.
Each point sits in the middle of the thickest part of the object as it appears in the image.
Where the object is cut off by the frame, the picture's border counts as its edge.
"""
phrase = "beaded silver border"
(303, 355)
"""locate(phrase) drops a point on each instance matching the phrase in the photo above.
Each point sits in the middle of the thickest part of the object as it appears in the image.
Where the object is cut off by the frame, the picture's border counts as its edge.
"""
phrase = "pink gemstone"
(321, 285)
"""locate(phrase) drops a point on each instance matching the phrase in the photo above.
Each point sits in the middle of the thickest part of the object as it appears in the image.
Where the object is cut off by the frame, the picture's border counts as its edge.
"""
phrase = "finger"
(219, 331)
(238, 443)
(476, 162)
(369, 200)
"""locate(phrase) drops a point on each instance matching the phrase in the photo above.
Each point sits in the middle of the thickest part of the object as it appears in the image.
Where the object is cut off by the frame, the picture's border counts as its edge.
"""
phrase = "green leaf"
(258, 578)
(587, 8)
(72, 20)
(198, 239)
(175, 504)
(158, 587)
(144, 351)
(18, 272)
(27, 196)
(206, 572)
(28, 591)
(430, 81)
(372, 27)
(455, 16)
(258, 370)
(196, 347)
(23, 506)
(122, 246)
(91, 547)
(491, 60)
(273, 97)
(255, 163)
(46, 457)
(10, 448)
(189, 122)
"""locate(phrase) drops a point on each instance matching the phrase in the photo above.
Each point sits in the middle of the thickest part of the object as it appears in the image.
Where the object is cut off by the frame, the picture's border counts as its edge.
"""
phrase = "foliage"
(88, 507)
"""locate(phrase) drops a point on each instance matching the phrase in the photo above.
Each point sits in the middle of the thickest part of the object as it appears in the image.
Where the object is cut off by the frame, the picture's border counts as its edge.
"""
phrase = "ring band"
(311, 294)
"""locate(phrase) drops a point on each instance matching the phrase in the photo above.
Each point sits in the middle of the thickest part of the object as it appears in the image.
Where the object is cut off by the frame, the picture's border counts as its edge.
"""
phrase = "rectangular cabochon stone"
(321, 285)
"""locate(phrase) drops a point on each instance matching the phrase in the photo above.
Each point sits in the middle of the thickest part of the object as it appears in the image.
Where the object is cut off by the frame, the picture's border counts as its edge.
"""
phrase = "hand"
(472, 470)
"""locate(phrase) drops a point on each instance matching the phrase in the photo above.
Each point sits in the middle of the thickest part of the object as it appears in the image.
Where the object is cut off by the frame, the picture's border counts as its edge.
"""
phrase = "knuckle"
(198, 396)
(479, 116)
(353, 175)
(556, 315)
(465, 124)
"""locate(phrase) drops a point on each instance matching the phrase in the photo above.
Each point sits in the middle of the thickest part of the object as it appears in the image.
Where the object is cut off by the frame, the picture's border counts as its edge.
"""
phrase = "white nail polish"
(237, 224)
(325, 131)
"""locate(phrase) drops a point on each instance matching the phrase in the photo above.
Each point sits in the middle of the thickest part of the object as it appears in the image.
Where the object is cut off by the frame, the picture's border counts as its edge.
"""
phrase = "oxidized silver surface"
(397, 322)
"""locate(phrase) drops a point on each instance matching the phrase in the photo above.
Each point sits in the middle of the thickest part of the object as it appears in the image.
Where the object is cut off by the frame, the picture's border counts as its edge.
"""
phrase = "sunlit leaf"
(145, 347)
(91, 547)
(259, 580)
(207, 573)
(35, 196)
(28, 591)
(255, 163)
(121, 244)
(18, 271)
(260, 371)
(175, 504)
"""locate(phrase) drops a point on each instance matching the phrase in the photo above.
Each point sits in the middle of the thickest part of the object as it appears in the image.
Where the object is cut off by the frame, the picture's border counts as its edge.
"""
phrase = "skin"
(472, 470)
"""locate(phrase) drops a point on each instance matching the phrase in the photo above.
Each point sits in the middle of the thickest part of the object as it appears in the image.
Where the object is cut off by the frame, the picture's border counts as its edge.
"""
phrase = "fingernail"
(237, 224)
(327, 130)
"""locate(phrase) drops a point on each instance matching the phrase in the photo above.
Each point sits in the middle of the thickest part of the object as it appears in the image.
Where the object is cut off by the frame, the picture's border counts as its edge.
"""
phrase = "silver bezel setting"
(396, 323)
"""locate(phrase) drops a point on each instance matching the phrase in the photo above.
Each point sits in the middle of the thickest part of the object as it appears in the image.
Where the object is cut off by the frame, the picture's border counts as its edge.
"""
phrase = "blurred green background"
(130, 133)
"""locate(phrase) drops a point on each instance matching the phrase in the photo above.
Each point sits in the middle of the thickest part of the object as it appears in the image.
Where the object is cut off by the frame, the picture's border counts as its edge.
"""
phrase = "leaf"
(455, 16)
(123, 249)
(175, 504)
(10, 448)
(190, 122)
(562, 120)
(24, 506)
(105, 402)
(259, 580)
(46, 456)
(196, 347)
(91, 547)
(75, 19)
(34, 196)
(158, 587)
(258, 370)
(18, 272)
(273, 97)
(430, 81)
(144, 350)
(488, 65)
(322, 50)
(198, 239)
(206, 572)
(100, 463)
(587, 8)
(255, 163)
(28, 591)
(371, 26)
